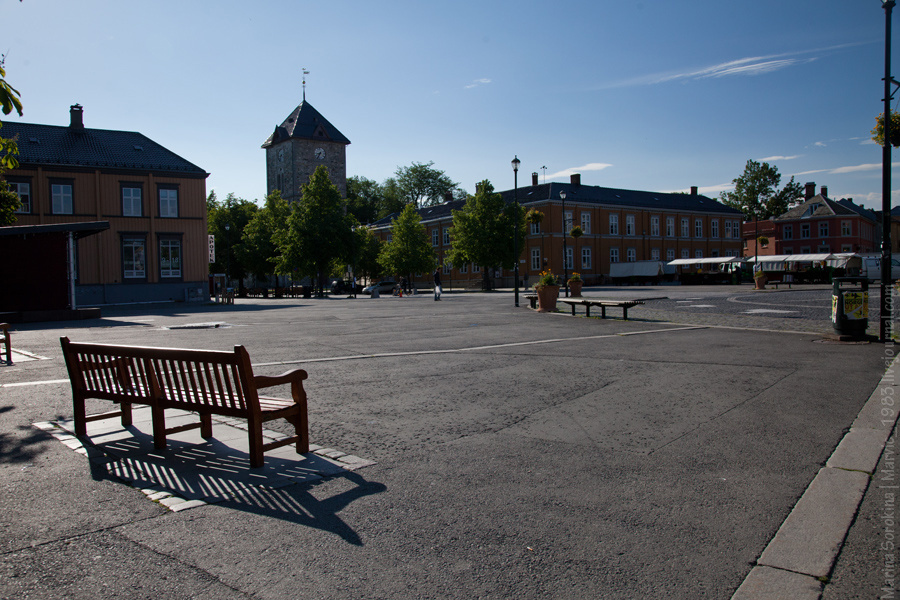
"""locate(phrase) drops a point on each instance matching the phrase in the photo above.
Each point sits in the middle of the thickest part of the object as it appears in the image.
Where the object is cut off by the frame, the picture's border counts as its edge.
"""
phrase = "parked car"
(871, 268)
(385, 286)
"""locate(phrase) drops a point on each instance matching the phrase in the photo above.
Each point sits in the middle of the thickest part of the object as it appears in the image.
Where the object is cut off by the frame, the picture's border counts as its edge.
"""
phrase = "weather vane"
(305, 73)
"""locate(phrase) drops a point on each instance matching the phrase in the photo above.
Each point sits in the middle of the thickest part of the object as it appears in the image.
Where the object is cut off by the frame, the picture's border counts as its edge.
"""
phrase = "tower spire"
(305, 73)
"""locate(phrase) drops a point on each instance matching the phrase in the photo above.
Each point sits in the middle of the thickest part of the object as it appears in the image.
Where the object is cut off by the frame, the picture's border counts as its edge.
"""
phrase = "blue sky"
(640, 95)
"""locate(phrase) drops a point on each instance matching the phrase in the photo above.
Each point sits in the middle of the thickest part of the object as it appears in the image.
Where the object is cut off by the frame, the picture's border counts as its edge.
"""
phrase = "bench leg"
(587, 310)
(158, 416)
(80, 417)
(624, 313)
(602, 312)
(254, 430)
(573, 310)
(206, 426)
(126, 414)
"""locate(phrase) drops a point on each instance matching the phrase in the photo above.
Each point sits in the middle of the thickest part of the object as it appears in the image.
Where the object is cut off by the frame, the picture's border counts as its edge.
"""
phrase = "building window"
(613, 255)
(736, 228)
(567, 226)
(788, 232)
(824, 249)
(446, 236)
(390, 238)
(685, 227)
(169, 258)
(435, 237)
(823, 229)
(134, 258)
(727, 230)
(804, 232)
(698, 254)
(131, 201)
(535, 259)
(585, 258)
(613, 224)
(447, 267)
(654, 254)
(464, 268)
(714, 252)
(476, 268)
(61, 198)
(788, 250)
(629, 224)
(654, 226)
(670, 226)
(570, 261)
(631, 255)
(168, 202)
(685, 253)
(714, 228)
(670, 253)
(846, 228)
(23, 190)
(698, 228)
(585, 222)
(535, 228)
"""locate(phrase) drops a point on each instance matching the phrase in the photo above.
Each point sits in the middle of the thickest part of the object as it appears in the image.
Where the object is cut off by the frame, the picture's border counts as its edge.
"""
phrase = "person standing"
(437, 284)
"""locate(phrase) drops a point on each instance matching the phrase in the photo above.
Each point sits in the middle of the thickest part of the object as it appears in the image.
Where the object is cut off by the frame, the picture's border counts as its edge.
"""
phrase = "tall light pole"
(884, 328)
(562, 196)
(515, 166)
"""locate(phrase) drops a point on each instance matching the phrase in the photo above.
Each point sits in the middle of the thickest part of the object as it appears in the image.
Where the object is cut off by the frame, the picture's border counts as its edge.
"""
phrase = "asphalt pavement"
(720, 443)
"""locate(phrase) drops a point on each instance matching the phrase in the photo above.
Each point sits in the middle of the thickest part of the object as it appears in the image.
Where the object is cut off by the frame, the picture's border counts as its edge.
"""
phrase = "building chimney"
(825, 191)
(448, 196)
(76, 117)
(534, 180)
(694, 190)
(575, 179)
(810, 190)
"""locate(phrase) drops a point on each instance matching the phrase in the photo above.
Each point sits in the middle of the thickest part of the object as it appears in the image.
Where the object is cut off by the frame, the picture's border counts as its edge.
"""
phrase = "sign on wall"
(212, 249)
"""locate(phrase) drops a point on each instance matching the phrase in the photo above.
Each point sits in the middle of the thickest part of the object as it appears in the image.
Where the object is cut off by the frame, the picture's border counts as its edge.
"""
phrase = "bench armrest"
(294, 377)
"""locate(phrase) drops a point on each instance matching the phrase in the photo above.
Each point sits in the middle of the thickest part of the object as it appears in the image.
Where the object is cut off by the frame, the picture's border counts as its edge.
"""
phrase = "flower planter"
(575, 288)
(760, 282)
(547, 295)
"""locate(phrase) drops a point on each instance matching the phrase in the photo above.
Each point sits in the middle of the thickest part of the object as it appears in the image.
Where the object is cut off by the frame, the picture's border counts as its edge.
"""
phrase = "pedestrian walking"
(437, 284)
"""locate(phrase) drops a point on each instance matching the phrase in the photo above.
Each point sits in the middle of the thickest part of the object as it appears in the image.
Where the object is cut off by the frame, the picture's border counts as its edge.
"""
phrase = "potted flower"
(575, 283)
(760, 279)
(547, 290)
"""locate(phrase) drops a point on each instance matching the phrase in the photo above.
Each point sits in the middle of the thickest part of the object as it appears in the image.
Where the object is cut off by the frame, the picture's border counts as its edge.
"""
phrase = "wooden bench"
(7, 343)
(207, 382)
(603, 304)
(786, 279)
(532, 298)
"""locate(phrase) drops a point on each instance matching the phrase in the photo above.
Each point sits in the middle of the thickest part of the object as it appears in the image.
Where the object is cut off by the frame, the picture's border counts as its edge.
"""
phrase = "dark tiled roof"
(593, 194)
(308, 124)
(860, 210)
(589, 194)
(817, 206)
(54, 145)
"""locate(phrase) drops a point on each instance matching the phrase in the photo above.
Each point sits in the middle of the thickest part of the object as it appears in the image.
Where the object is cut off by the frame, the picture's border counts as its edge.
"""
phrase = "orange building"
(156, 247)
(618, 226)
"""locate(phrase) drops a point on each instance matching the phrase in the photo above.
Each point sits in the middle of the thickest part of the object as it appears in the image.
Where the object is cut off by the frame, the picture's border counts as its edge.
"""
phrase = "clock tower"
(298, 146)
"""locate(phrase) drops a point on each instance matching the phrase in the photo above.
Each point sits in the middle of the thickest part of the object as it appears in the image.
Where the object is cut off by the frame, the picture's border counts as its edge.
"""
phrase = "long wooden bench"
(587, 303)
(207, 382)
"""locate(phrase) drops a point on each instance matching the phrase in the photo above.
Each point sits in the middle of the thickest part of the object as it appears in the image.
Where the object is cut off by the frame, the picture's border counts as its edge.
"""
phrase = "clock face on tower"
(320, 153)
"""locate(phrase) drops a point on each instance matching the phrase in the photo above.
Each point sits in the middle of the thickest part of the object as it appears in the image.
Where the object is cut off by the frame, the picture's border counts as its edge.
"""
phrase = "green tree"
(258, 250)
(364, 199)
(367, 247)
(392, 201)
(483, 232)
(226, 221)
(878, 131)
(756, 192)
(423, 185)
(317, 233)
(409, 250)
(9, 101)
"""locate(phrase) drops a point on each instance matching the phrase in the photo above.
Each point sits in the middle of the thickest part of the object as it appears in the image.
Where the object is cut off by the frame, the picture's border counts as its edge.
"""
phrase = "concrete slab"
(859, 450)
(766, 583)
(810, 538)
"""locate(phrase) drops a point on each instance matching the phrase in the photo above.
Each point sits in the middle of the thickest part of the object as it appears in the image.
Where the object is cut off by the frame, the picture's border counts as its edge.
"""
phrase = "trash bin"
(850, 306)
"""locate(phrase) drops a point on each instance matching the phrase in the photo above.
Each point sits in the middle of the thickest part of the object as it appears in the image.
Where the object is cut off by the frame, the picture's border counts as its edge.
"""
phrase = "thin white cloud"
(581, 169)
(477, 82)
(774, 158)
(820, 144)
(749, 66)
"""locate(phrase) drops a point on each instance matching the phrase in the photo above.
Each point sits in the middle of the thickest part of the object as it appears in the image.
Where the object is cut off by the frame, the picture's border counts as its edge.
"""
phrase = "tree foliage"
(423, 185)
(756, 192)
(366, 248)
(318, 232)
(258, 251)
(226, 220)
(409, 250)
(483, 232)
(9, 200)
(878, 131)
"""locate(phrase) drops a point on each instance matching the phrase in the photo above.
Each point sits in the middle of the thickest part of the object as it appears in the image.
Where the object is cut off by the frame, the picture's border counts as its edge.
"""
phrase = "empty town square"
(719, 443)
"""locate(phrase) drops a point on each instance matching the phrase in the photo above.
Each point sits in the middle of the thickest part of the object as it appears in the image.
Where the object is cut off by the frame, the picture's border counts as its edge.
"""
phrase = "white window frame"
(170, 270)
(586, 258)
(804, 233)
(629, 224)
(787, 231)
(62, 202)
(129, 199)
(685, 227)
(138, 259)
(823, 229)
(435, 237)
(570, 258)
(670, 254)
(535, 259)
(23, 190)
(613, 255)
(714, 228)
(585, 222)
(654, 254)
(446, 239)
(698, 228)
(846, 228)
(613, 224)
(654, 226)
(670, 226)
(168, 202)
(630, 255)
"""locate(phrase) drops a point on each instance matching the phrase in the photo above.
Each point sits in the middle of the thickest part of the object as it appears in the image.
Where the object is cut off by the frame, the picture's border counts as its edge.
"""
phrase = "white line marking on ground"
(24, 383)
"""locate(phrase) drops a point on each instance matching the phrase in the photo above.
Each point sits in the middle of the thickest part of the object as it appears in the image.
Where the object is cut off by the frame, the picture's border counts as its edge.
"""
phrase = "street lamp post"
(562, 196)
(884, 328)
(515, 166)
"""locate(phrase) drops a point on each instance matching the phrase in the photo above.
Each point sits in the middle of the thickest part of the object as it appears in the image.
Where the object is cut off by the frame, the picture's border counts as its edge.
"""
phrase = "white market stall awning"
(643, 268)
(780, 258)
(716, 260)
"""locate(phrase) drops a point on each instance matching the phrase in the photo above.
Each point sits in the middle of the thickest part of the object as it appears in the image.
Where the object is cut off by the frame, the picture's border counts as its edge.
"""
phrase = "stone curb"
(799, 558)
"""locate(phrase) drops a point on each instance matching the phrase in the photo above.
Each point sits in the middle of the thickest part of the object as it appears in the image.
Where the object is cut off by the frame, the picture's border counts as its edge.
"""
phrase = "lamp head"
(515, 164)
(562, 194)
